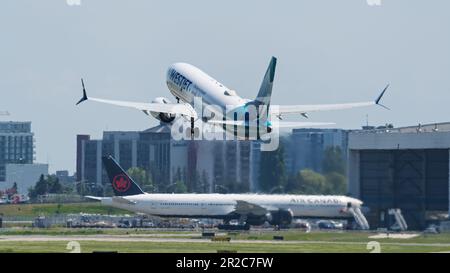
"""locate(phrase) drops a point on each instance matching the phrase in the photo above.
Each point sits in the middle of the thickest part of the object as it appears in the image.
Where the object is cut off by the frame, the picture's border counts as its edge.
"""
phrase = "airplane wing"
(278, 124)
(304, 109)
(293, 124)
(94, 198)
(244, 208)
(169, 108)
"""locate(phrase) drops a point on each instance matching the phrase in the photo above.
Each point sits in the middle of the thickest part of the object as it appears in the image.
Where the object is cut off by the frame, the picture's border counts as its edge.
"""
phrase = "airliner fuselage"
(223, 205)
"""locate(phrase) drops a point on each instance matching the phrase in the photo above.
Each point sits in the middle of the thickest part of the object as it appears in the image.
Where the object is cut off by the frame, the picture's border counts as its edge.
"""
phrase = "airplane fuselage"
(187, 82)
(222, 205)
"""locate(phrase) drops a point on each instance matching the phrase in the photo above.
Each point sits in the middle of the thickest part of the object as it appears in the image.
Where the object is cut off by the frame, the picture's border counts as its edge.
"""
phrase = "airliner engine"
(281, 217)
(164, 117)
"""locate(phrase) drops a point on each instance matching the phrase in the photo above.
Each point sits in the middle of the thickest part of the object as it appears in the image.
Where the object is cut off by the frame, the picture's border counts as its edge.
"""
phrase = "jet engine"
(281, 217)
(164, 117)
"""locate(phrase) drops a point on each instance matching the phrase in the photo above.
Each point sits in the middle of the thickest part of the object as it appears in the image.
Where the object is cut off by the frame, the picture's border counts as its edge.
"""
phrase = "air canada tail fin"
(121, 182)
(265, 91)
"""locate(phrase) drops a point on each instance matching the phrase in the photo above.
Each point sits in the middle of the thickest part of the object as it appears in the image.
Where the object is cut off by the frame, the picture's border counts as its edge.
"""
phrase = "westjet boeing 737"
(248, 209)
(222, 107)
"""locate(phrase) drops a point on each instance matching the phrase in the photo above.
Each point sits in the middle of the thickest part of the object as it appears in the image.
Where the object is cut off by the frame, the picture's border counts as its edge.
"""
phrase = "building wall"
(407, 170)
(222, 162)
(305, 148)
(80, 139)
(16, 145)
(25, 175)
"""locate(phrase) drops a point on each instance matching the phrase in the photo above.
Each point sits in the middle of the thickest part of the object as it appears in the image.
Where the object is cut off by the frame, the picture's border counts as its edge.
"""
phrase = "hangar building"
(406, 168)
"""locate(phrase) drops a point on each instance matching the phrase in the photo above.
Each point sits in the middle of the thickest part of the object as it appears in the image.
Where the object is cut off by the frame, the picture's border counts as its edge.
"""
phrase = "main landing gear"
(192, 131)
(227, 226)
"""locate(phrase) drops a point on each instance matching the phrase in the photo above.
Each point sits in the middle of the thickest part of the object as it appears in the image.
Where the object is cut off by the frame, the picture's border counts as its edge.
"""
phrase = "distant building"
(24, 175)
(305, 148)
(16, 145)
(64, 176)
(403, 168)
(80, 153)
(205, 166)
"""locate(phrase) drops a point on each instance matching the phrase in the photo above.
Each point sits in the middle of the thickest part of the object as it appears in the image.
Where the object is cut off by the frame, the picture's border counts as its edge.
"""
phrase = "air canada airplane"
(222, 106)
(248, 209)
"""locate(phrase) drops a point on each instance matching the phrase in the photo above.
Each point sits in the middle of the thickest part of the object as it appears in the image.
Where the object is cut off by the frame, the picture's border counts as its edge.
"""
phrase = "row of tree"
(274, 179)
(48, 184)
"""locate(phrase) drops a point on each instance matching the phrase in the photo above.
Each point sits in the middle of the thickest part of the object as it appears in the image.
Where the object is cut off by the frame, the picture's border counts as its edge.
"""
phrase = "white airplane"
(249, 209)
(222, 107)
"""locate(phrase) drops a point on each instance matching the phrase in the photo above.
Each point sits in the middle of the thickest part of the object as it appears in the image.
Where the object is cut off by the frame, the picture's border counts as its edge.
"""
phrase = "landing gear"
(192, 128)
(178, 99)
(227, 226)
(192, 131)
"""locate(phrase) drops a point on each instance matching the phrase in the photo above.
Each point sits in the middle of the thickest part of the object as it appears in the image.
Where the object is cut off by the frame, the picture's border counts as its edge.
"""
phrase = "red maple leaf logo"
(121, 183)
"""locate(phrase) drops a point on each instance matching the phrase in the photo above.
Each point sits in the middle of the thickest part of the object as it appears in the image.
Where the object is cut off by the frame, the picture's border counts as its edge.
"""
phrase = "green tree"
(334, 160)
(313, 183)
(53, 184)
(202, 184)
(142, 178)
(180, 187)
(337, 182)
(294, 184)
(40, 188)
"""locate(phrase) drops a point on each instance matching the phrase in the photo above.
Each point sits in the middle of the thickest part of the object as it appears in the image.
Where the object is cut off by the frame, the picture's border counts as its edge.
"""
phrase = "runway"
(168, 238)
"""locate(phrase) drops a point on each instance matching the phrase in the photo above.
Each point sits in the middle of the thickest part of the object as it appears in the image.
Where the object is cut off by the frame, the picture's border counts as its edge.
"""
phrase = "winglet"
(84, 93)
(377, 101)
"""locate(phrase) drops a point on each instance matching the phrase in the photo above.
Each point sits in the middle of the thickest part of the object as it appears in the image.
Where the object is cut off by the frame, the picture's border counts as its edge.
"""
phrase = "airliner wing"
(293, 124)
(169, 108)
(94, 198)
(278, 124)
(244, 208)
(303, 109)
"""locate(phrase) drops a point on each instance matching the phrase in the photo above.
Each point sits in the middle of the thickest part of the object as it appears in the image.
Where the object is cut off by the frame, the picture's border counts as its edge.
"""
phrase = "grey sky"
(328, 51)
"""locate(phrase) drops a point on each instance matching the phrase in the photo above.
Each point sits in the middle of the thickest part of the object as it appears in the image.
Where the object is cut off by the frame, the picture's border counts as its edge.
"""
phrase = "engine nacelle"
(281, 217)
(164, 117)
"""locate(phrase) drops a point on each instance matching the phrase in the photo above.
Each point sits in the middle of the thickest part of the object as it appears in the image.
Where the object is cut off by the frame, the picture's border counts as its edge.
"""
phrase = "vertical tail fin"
(121, 182)
(265, 91)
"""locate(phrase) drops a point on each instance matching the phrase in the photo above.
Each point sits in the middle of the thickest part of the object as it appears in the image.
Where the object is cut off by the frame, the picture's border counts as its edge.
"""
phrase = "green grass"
(289, 235)
(86, 231)
(149, 247)
(34, 210)
(293, 235)
(333, 242)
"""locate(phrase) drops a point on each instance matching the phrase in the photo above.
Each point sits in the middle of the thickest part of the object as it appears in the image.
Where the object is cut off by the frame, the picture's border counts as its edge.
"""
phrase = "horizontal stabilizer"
(94, 198)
